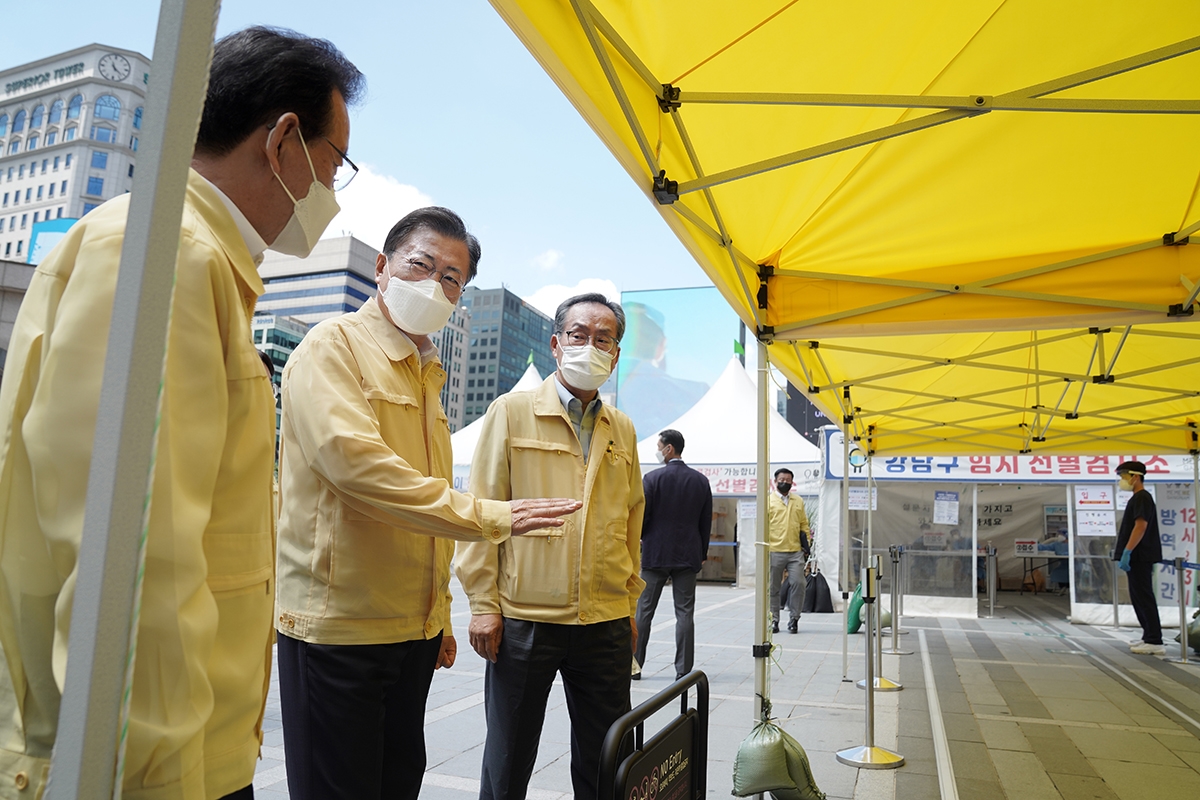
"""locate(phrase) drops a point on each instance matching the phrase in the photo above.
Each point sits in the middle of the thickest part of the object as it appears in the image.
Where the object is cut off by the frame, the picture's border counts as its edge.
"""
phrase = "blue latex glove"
(1125, 560)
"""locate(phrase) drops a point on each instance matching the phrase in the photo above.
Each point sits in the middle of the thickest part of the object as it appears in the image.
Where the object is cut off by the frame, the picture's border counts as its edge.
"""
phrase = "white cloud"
(372, 204)
(549, 297)
(547, 261)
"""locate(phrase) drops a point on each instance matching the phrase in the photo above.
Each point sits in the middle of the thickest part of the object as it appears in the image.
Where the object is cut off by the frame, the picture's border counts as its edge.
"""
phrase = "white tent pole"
(975, 544)
(102, 644)
(846, 542)
(870, 495)
(1195, 503)
(1070, 547)
(762, 569)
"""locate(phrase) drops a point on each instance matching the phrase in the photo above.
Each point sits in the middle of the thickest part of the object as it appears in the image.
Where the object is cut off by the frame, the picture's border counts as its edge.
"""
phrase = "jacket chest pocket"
(538, 566)
(545, 469)
(399, 418)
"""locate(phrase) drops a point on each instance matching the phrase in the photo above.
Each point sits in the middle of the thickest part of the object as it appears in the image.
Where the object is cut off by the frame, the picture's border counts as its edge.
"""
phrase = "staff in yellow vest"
(787, 537)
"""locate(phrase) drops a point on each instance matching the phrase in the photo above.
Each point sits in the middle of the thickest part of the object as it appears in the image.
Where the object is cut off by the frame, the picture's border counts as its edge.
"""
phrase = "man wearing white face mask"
(366, 523)
(559, 601)
(273, 133)
(675, 534)
(1137, 550)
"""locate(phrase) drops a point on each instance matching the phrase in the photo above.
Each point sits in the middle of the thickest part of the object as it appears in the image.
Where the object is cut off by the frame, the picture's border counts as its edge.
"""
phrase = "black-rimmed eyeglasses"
(345, 172)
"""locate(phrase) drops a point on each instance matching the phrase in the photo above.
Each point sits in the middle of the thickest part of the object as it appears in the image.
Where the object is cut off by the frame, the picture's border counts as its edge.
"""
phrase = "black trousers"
(683, 590)
(594, 663)
(354, 716)
(1141, 595)
(246, 793)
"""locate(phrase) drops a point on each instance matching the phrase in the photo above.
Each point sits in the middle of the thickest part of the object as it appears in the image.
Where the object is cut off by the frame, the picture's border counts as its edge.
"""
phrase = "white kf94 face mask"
(417, 307)
(311, 215)
(584, 367)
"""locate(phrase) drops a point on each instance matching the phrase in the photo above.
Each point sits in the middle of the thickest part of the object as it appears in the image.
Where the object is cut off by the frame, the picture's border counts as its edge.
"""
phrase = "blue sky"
(458, 113)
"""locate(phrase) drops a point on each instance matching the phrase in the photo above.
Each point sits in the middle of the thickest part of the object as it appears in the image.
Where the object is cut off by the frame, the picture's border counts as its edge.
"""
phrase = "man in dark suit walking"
(675, 531)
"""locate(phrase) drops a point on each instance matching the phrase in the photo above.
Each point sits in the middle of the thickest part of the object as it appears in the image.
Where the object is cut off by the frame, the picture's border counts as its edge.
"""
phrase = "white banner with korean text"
(1002, 469)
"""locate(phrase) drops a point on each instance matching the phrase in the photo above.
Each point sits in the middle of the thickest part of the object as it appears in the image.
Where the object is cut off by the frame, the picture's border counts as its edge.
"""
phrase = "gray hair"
(560, 316)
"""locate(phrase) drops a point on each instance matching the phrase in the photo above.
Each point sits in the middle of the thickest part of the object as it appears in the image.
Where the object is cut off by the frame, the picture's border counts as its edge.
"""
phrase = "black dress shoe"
(775, 626)
(793, 626)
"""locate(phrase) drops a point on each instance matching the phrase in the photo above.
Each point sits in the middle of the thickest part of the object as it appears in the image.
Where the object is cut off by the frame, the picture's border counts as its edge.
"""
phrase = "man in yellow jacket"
(368, 515)
(558, 601)
(264, 162)
(787, 538)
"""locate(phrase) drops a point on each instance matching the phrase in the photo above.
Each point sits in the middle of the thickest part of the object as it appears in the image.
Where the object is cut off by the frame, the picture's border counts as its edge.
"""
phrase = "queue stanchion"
(1116, 592)
(1181, 590)
(894, 552)
(868, 756)
(991, 582)
(880, 683)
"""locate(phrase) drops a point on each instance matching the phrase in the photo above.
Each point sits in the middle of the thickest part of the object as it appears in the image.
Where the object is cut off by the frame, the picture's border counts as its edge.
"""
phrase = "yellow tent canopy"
(971, 216)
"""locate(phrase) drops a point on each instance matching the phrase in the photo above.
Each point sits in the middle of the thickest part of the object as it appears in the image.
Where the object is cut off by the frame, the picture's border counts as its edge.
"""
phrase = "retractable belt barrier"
(895, 551)
(867, 755)
(992, 579)
(1180, 564)
(673, 763)
(1116, 589)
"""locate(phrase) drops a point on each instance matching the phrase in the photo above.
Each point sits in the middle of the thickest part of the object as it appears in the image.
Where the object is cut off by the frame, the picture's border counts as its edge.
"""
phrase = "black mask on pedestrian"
(784, 487)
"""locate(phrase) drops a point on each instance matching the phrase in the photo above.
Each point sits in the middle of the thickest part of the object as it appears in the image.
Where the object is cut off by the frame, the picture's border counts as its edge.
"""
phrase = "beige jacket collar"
(254, 241)
(207, 201)
(394, 343)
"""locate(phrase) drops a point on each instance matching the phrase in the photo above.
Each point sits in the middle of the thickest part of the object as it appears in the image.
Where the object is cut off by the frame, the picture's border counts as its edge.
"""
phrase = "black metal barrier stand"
(673, 764)
(1180, 565)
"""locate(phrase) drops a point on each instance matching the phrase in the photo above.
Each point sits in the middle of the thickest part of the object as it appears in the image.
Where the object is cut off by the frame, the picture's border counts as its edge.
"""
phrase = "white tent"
(720, 435)
(721, 429)
(463, 441)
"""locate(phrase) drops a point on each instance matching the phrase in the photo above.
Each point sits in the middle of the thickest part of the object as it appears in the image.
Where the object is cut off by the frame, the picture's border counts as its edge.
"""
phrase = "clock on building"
(114, 66)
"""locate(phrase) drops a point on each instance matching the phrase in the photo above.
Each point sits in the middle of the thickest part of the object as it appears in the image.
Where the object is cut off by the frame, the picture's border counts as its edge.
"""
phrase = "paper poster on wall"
(1025, 548)
(1093, 497)
(1095, 523)
(858, 498)
(945, 508)
(747, 509)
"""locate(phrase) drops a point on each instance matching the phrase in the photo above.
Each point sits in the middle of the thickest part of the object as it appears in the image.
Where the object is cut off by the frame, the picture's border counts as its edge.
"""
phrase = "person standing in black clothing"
(675, 531)
(1140, 548)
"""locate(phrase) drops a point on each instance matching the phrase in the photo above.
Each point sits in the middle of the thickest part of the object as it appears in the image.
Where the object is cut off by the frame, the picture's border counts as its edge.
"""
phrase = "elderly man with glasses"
(367, 512)
(263, 171)
(559, 601)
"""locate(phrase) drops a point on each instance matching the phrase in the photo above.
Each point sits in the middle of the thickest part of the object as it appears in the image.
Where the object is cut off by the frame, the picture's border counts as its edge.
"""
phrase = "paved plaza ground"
(1031, 707)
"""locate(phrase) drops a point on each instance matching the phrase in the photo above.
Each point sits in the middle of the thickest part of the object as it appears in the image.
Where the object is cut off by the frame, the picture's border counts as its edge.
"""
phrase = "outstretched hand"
(534, 513)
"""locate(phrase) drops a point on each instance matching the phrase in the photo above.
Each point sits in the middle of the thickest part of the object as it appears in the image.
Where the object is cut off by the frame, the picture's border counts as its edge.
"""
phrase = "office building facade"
(452, 345)
(69, 130)
(506, 333)
(14, 280)
(336, 278)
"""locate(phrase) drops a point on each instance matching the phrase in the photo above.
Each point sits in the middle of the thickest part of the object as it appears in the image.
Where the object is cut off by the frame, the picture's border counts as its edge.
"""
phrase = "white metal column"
(103, 640)
(846, 578)
(762, 566)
